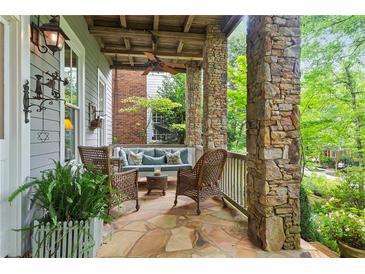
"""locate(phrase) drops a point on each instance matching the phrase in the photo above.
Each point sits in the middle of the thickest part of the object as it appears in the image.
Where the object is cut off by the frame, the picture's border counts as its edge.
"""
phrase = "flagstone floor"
(159, 230)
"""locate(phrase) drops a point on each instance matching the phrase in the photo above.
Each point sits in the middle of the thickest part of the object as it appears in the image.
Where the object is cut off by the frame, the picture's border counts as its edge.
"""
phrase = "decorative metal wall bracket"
(39, 94)
(39, 100)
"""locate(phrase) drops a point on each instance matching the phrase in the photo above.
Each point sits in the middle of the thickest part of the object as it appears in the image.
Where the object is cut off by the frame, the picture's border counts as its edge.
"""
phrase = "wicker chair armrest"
(125, 179)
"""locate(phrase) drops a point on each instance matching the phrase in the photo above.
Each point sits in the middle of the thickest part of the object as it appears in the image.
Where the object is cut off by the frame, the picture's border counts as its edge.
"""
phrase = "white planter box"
(69, 240)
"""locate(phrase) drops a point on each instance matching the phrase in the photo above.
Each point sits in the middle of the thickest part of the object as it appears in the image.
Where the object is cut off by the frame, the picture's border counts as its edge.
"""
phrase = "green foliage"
(319, 185)
(68, 193)
(333, 96)
(139, 104)
(307, 227)
(135, 104)
(351, 190)
(237, 43)
(173, 88)
(236, 105)
(343, 223)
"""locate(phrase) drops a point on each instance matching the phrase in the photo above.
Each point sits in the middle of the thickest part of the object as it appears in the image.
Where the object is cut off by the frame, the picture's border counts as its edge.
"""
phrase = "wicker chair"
(124, 185)
(202, 181)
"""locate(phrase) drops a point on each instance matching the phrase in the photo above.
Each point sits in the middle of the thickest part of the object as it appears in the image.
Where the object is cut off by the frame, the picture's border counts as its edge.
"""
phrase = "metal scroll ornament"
(38, 101)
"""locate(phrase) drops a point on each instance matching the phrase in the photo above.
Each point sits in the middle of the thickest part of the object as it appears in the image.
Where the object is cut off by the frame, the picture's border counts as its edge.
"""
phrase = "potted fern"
(73, 204)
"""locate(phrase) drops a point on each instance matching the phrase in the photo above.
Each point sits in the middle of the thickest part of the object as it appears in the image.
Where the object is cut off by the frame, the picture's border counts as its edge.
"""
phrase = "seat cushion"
(147, 151)
(152, 167)
(184, 154)
(148, 160)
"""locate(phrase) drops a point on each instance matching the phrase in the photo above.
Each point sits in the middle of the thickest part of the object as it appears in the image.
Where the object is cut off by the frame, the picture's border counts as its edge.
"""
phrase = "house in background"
(128, 128)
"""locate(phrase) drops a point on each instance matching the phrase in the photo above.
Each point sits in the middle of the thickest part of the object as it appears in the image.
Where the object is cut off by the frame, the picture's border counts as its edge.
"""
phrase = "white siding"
(42, 154)
(154, 81)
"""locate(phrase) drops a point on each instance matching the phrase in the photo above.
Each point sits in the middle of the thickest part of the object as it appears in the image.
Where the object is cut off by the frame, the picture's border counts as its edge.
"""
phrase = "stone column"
(193, 99)
(273, 51)
(215, 89)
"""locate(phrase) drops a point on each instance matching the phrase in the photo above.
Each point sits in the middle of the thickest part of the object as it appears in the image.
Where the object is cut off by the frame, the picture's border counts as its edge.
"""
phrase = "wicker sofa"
(187, 157)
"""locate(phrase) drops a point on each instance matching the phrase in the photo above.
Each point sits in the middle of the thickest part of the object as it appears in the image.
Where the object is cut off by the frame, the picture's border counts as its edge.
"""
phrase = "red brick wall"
(128, 127)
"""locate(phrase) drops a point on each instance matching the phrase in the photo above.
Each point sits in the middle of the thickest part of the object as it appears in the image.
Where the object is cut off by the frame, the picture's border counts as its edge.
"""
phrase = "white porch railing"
(233, 181)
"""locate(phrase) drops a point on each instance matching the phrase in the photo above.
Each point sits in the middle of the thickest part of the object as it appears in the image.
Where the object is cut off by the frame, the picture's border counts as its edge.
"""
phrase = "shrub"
(343, 223)
(351, 190)
(319, 185)
(308, 231)
(68, 193)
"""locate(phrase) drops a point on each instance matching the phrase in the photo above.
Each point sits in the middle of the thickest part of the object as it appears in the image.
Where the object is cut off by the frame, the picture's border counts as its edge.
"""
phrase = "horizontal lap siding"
(43, 153)
(94, 59)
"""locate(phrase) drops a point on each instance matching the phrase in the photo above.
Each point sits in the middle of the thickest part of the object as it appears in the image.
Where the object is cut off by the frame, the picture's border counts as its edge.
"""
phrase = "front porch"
(159, 230)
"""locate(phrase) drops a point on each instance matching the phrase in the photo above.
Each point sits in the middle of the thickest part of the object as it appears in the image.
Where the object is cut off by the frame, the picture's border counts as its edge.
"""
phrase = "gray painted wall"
(42, 154)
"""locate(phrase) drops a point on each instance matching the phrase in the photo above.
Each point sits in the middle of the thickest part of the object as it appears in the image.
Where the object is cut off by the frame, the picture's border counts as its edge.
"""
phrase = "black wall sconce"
(51, 33)
(95, 120)
(38, 101)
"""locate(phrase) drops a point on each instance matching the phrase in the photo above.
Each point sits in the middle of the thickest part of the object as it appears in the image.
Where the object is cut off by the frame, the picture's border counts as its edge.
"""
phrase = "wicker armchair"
(124, 185)
(202, 181)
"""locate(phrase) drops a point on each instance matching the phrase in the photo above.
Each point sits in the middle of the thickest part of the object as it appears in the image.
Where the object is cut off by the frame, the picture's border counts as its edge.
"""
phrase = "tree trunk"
(357, 122)
(359, 145)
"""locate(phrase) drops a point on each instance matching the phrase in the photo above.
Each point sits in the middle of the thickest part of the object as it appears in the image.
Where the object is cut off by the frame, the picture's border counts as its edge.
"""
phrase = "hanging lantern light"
(53, 35)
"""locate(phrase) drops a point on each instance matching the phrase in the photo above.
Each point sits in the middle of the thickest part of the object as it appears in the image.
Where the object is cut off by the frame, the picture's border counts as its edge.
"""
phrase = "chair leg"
(137, 205)
(198, 207)
(175, 202)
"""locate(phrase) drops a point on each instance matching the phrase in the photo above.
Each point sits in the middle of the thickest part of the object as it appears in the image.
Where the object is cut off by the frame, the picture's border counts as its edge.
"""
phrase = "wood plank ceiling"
(176, 38)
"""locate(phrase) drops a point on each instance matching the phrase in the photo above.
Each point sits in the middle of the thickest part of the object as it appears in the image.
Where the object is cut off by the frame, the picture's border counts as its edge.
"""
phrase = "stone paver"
(159, 230)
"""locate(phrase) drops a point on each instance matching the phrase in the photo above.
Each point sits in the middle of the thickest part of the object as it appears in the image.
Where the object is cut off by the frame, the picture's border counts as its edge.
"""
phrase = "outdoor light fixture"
(53, 36)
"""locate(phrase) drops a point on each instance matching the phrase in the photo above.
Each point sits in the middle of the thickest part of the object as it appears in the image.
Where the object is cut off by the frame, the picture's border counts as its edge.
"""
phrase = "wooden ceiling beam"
(156, 22)
(128, 33)
(123, 24)
(160, 54)
(137, 67)
(188, 22)
(123, 21)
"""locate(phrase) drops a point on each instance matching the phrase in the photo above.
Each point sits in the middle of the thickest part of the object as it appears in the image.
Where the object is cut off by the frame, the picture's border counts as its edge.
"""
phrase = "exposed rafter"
(160, 54)
(127, 33)
(156, 21)
(137, 67)
(187, 25)
(123, 23)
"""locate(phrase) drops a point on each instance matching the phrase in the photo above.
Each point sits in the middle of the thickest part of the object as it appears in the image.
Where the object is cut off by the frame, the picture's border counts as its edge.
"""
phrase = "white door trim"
(19, 132)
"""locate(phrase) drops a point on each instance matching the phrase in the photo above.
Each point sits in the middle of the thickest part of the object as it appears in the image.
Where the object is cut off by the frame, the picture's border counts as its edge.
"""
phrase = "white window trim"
(77, 47)
(102, 78)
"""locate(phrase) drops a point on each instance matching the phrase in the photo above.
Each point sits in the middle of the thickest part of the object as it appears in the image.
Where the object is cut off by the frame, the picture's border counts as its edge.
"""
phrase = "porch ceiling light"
(52, 34)
(68, 124)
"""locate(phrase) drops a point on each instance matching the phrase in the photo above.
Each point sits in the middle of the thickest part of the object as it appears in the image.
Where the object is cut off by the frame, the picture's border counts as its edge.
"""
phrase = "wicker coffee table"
(157, 182)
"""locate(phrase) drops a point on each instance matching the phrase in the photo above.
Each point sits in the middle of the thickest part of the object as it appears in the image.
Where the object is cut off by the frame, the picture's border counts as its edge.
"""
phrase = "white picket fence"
(67, 240)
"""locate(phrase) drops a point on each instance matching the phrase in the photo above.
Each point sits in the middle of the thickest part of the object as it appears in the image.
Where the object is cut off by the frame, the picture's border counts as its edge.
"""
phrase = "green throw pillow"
(161, 151)
(148, 160)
